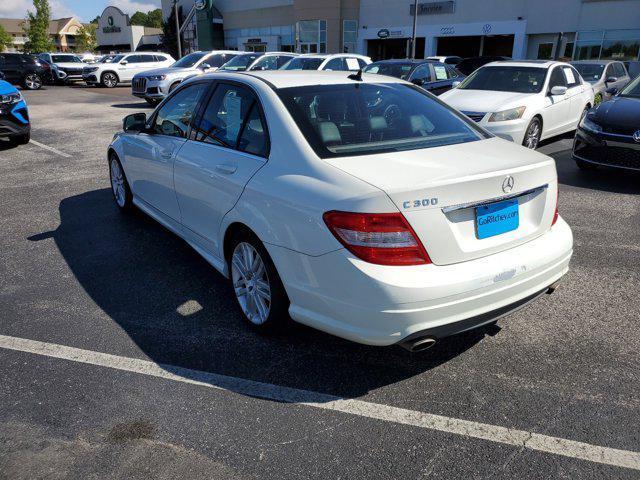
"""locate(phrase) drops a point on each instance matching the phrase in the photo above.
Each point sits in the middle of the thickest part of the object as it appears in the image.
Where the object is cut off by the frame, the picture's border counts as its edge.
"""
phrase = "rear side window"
(282, 61)
(440, 71)
(233, 119)
(174, 118)
(147, 58)
(158, 58)
(368, 118)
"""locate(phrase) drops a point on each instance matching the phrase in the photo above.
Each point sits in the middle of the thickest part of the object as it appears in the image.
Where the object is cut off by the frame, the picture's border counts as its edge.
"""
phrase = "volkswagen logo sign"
(507, 184)
(486, 28)
(636, 136)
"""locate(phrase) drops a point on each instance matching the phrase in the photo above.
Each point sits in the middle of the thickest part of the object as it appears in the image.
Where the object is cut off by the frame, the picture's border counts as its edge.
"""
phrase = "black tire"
(173, 86)
(279, 301)
(32, 81)
(123, 199)
(532, 134)
(152, 101)
(109, 80)
(23, 139)
(582, 165)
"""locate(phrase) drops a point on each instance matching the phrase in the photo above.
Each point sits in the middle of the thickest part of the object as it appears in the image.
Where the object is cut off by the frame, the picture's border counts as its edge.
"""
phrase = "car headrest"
(421, 124)
(329, 133)
(378, 123)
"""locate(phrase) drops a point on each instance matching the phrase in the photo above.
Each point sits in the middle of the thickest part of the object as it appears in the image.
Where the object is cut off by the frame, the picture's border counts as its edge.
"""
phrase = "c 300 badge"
(424, 202)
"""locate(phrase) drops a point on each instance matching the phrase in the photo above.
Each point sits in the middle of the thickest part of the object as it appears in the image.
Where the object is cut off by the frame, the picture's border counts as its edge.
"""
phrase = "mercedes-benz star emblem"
(507, 184)
(636, 136)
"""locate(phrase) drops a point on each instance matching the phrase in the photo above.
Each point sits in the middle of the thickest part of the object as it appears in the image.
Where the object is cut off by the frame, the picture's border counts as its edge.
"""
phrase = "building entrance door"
(476, 45)
(390, 48)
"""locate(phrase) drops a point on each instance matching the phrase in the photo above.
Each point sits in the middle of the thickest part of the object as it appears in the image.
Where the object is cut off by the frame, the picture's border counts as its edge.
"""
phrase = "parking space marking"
(466, 428)
(51, 149)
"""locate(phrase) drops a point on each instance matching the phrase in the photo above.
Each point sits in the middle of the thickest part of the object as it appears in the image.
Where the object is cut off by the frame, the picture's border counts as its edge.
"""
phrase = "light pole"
(175, 12)
(415, 24)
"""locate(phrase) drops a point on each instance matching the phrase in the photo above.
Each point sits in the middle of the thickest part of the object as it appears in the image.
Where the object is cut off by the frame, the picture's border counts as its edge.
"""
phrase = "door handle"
(226, 168)
(166, 154)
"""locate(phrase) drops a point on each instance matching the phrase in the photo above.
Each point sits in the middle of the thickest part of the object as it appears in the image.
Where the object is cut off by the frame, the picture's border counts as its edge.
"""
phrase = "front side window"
(632, 90)
(334, 64)
(303, 63)
(187, 61)
(423, 72)
(571, 76)
(506, 79)
(133, 59)
(398, 70)
(269, 62)
(217, 60)
(174, 117)
(240, 63)
(591, 72)
(557, 78)
(367, 118)
(233, 119)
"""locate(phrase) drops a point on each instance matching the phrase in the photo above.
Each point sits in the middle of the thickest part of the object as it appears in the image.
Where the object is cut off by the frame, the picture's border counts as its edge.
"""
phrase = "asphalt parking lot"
(122, 354)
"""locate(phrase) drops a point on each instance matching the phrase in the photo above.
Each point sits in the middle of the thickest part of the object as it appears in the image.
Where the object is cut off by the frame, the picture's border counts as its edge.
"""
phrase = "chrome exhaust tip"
(553, 287)
(419, 344)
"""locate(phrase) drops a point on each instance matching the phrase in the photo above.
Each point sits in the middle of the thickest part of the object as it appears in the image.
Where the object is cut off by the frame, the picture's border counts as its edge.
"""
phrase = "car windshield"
(65, 59)
(506, 79)
(300, 63)
(591, 72)
(368, 118)
(632, 90)
(189, 60)
(240, 63)
(398, 70)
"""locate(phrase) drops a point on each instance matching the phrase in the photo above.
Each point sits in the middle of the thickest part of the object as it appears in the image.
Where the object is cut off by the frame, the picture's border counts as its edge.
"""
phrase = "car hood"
(172, 72)
(483, 100)
(71, 65)
(6, 88)
(619, 115)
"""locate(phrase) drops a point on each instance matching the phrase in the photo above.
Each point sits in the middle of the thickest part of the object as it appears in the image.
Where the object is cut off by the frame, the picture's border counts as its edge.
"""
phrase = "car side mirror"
(135, 122)
(169, 128)
(418, 81)
(123, 62)
(455, 84)
(611, 80)
(204, 66)
(611, 91)
(558, 90)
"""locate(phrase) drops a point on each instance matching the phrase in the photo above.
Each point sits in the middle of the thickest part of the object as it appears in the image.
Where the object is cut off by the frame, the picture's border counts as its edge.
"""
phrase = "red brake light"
(556, 214)
(381, 238)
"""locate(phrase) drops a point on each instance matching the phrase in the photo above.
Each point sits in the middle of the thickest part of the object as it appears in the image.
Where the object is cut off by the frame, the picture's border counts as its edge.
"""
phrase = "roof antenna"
(356, 76)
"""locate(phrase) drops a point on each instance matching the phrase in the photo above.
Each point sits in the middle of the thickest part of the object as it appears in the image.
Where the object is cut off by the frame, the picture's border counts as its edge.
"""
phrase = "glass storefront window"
(349, 35)
(312, 36)
(544, 51)
(608, 45)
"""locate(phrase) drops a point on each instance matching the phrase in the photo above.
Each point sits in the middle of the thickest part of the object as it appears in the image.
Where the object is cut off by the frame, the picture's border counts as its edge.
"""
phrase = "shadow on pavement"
(181, 312)
(135, 106)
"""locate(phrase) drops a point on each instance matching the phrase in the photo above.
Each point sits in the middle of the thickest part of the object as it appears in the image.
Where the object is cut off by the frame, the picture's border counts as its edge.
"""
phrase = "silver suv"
(603, 75)
(154, 85)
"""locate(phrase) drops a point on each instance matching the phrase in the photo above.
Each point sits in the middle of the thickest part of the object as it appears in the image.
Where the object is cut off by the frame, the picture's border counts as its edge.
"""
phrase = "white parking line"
(51, 149)
(466, 428)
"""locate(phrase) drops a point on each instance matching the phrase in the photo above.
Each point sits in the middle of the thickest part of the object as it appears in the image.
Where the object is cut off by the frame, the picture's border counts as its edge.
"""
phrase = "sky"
(86, 10)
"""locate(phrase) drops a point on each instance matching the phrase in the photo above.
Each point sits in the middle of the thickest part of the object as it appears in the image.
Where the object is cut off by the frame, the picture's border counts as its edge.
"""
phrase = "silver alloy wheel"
(251, 283)
(117, 183)
(532, 137)
(33, 82)
(109, 80)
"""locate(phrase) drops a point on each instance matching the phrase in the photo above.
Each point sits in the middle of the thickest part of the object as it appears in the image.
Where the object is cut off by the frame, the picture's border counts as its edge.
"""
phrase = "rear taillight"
(556, 214)
(382, 238)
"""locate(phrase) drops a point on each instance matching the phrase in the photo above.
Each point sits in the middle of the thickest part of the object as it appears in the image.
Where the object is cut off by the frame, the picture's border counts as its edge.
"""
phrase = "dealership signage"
(111, 28)
(386, 33)
(434, 8)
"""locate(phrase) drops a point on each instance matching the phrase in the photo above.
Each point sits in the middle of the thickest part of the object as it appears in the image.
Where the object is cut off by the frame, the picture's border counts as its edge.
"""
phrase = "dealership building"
(116, 34)
(382, 28)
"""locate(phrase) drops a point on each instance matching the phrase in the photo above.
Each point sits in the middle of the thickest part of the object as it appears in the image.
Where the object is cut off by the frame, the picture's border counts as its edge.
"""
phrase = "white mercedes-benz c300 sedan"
(359, 205)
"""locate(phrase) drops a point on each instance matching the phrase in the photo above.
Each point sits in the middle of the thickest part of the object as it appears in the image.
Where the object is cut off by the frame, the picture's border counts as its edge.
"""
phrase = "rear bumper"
(380, 305)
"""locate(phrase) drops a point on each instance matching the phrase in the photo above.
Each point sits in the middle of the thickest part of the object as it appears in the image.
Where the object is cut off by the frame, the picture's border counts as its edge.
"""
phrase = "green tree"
(95, 20)
(86, 38)
(36, 28)
(139, 18)
(5, 39)
(169, 37)
(154, 18)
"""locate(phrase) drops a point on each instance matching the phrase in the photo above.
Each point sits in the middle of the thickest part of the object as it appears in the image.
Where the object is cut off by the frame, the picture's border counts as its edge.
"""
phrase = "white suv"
(123, 67)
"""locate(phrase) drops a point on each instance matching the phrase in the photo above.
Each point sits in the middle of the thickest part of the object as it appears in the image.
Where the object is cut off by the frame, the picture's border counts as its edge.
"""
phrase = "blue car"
(14, 115)
(432, 75)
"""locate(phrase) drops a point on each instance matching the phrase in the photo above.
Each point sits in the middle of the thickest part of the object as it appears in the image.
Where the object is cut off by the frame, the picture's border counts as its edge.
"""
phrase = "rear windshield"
(398, 70)
(591, 72)
(300, 63)
(367, 118)
(506, 79)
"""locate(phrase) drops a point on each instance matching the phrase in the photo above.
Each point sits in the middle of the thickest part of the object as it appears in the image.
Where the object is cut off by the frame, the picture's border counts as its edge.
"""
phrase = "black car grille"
(614, 156)
(475, 116)
(71, 71)
(139, 84)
